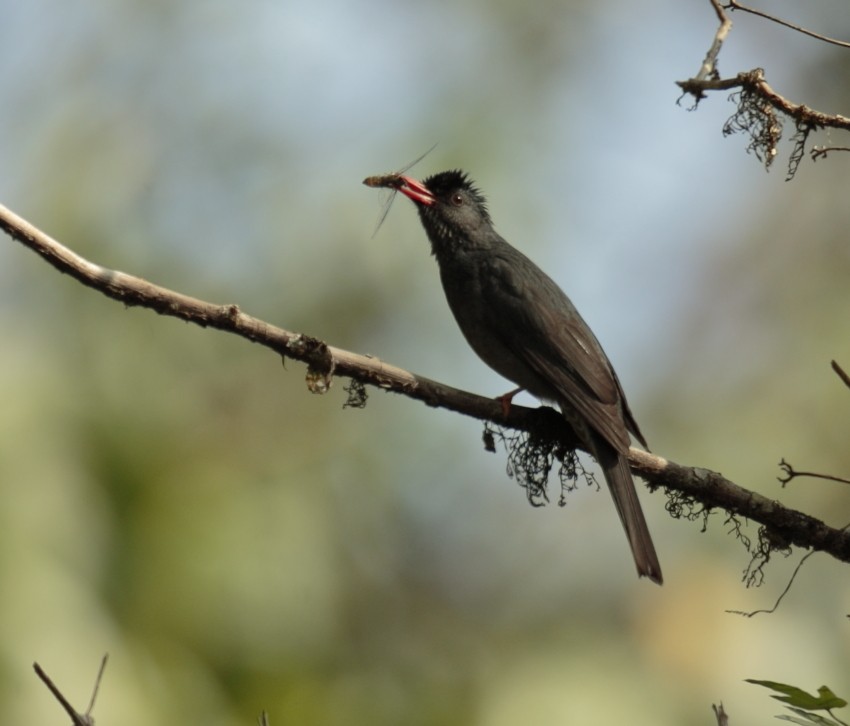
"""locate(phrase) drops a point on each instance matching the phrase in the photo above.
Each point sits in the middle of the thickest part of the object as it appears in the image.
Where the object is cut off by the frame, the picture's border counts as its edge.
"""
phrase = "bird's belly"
(475, 324)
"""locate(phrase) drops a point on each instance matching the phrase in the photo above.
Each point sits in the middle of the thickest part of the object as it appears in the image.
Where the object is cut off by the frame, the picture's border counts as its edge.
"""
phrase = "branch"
(708, 69)
(783, 526)
(323, 361)
(758, 103)
(753, 82)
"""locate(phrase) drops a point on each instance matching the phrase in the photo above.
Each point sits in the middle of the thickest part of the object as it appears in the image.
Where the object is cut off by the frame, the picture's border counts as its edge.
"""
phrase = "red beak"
(416, 191)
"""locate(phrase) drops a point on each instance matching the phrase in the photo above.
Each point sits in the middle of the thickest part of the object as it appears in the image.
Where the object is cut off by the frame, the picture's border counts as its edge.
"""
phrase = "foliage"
(804, 704)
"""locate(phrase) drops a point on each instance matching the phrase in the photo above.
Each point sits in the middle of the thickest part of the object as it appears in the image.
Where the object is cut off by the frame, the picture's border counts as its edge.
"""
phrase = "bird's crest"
(443, 184)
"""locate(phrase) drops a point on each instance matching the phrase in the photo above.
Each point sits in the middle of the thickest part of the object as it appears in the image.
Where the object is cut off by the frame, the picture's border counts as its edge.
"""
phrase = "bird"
(523, 326)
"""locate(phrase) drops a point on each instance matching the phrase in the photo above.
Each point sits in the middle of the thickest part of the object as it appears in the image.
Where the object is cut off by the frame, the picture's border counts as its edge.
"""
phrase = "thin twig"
(735, 5)
(97, 683)
(785, 591)
(720, 715)
(77, 718)
(326, 362)
(821, 152)
(792, 473)
(842, 374)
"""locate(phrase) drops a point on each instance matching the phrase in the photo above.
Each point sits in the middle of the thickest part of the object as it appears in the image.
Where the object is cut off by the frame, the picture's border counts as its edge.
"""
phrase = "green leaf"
(808, 718)
(799, 721)
(826, 700)
(827, 695)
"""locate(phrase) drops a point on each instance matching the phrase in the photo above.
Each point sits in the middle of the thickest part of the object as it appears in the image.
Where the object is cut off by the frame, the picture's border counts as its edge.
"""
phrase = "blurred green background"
(175, 497)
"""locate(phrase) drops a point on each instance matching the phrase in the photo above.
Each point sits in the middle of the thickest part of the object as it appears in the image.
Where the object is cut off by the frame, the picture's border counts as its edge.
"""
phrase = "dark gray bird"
(522, 325)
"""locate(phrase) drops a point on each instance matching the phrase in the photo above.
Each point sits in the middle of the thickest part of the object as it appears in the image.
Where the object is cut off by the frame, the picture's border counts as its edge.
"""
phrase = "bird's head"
(453, 212)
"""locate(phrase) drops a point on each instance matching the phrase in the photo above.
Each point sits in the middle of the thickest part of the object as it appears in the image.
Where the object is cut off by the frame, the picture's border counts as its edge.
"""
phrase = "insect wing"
(391, 181)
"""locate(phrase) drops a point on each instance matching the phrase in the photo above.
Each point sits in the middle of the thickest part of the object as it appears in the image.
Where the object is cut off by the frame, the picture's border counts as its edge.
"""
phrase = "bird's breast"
(489, 328)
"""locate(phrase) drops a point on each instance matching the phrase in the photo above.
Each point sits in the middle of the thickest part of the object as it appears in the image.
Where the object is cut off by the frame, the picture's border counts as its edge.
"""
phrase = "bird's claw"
(505, 399)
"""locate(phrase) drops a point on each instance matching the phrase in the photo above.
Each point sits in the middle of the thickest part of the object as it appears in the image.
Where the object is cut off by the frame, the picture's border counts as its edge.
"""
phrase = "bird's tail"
(615, 465)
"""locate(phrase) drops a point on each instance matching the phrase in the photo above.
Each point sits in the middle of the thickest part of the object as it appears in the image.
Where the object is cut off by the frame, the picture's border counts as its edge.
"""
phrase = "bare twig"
(785, 591)
(97, 682)
(325, 362)
(792, 473)
(735, 5)
(77, 718)
(842, 374)
(720, 715)
(708, 69)
(821, 152)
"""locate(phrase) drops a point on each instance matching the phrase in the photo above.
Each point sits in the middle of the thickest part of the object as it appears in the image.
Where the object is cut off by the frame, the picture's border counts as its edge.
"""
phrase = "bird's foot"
(505, 399)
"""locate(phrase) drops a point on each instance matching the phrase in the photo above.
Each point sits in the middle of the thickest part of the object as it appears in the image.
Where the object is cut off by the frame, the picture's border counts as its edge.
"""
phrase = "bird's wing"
(536, 320)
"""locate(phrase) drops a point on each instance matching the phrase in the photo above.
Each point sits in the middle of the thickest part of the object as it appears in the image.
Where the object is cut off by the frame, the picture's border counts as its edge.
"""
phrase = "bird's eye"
(457, 199)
